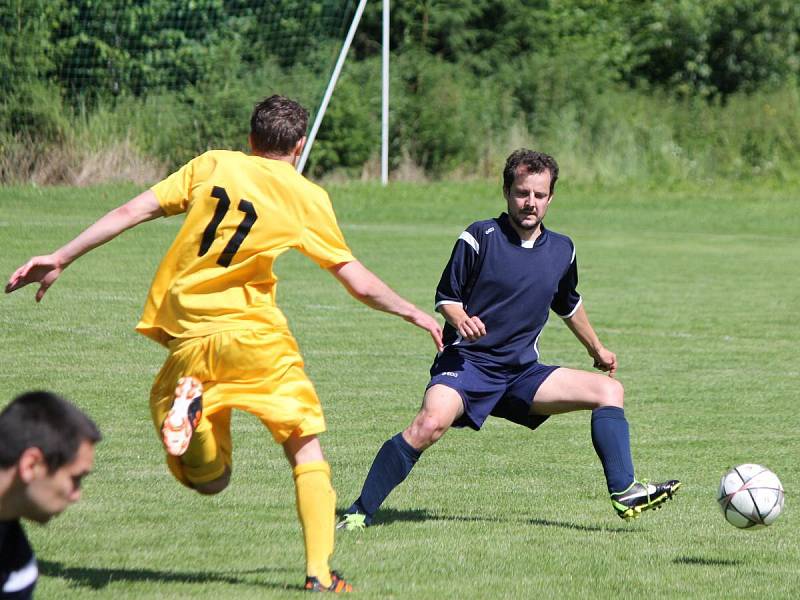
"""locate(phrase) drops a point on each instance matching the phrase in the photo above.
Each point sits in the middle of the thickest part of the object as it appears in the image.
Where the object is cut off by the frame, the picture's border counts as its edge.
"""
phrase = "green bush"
(615, 89)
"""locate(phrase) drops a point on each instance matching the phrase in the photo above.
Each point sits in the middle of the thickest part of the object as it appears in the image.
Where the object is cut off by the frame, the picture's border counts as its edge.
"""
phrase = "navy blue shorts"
(501, 392)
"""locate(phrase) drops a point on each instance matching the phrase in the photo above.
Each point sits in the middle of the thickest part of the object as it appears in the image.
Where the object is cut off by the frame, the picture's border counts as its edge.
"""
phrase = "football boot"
(183, 417)
(338, 584)
(642, 496)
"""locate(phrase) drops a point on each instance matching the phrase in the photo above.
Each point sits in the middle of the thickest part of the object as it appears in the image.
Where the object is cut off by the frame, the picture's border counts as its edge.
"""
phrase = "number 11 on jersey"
(223, 204)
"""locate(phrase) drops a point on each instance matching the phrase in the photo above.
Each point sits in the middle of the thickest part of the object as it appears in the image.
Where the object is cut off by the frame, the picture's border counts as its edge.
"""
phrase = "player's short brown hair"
(533, 162)
(46, 421)
(277, 124)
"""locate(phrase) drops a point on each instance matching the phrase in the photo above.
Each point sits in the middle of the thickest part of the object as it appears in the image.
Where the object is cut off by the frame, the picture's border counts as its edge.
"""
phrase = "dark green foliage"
(718, 47)
(469, 79)
(106, 49)
(30, 105)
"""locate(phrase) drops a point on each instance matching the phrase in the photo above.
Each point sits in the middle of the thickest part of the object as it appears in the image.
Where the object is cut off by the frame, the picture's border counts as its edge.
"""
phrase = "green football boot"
(642, 496)
(352, 522)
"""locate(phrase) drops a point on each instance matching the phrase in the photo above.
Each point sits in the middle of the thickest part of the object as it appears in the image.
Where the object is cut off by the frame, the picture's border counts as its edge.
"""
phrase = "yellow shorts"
(257, 371)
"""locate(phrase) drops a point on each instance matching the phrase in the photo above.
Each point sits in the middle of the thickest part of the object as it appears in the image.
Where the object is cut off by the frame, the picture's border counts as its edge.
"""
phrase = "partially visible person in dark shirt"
(47, 449)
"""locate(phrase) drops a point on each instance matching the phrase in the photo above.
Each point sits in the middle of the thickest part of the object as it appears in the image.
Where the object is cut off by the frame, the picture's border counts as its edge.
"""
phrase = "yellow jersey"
(242, 212)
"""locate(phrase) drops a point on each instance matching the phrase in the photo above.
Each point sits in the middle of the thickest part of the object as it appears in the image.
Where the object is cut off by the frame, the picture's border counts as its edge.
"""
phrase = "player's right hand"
(605, 360)
(43, 270)
(471, 328)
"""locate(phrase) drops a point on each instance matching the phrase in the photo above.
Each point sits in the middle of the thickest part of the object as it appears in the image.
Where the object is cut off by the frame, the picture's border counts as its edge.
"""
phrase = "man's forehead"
(524, 175)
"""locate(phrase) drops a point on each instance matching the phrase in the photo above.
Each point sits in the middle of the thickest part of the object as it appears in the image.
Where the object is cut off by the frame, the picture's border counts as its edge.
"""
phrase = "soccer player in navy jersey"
(503, 278)
(47, 449)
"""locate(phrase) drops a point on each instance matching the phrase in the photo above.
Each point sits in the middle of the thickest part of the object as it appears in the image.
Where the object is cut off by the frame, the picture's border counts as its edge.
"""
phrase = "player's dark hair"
(46, 421)
(534, 162)
(277, 124)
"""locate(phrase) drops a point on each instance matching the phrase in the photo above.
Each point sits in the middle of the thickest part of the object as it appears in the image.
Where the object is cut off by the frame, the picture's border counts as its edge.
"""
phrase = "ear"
(250, 141)
(298, 147)
(31, 464)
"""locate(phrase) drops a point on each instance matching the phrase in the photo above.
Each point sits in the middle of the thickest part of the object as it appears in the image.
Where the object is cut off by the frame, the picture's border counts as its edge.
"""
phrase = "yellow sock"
(203, 460)
(203, 448)
(316, 506)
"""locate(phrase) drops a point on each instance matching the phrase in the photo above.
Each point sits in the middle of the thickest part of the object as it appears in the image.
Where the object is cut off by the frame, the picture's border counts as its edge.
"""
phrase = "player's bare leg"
(316, 506)
(567, 390)
(441, 406)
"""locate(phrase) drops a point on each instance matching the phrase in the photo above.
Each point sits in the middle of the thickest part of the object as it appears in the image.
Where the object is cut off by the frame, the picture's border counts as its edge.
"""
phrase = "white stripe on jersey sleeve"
(25, 577)
(467, 237)
(438, 304)
(572, 260)
(574, 310)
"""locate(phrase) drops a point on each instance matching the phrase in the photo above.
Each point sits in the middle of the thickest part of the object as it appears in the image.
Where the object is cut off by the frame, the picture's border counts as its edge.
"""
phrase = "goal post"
(384, 89)
(170, 78)
(337, 69)
(385, 95)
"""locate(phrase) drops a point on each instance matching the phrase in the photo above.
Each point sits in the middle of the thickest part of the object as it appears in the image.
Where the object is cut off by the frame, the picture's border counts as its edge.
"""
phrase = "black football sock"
(611, 440)
(391, 466)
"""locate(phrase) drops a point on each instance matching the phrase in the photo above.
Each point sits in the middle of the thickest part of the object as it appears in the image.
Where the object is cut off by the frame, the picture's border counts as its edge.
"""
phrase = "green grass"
(694, 288)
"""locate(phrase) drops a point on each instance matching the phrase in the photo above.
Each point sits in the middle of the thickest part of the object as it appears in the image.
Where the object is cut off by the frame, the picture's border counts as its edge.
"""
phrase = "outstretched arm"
(604, 359)
(44, 270)
(366, 287)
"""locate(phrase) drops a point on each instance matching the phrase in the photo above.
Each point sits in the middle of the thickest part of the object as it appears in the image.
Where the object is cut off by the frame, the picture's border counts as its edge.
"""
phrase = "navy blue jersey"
(18, 570)
(510, 287)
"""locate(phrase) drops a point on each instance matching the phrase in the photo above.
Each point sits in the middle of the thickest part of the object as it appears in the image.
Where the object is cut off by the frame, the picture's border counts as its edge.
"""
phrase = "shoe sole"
(654, 504)
(177, 429)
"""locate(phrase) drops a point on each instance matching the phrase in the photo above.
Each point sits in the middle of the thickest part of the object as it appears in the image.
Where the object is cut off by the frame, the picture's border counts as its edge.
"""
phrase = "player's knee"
(425, 431)
(214, 486)
(611, 393)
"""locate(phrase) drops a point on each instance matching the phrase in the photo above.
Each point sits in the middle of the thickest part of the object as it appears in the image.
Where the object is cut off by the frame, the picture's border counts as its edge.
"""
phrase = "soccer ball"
(750, 496)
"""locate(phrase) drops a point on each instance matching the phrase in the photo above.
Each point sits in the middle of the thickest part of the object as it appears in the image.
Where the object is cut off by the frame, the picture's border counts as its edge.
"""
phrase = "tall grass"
(631, 136)
(445, 123)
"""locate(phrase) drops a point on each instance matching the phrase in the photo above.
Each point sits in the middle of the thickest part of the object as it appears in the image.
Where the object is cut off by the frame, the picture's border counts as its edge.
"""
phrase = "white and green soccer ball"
(750, 496)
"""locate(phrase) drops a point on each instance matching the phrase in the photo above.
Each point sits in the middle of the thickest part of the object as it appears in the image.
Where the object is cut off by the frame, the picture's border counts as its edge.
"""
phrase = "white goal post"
(332, 85)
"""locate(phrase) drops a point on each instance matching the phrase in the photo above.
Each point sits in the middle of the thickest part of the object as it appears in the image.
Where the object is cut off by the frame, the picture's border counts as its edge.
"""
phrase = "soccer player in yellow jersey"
(212, 305)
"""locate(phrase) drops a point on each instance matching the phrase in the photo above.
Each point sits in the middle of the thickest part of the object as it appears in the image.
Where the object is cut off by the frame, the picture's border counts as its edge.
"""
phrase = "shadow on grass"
(98, 578)
(706, 562)
(389, 515)
(577, 527)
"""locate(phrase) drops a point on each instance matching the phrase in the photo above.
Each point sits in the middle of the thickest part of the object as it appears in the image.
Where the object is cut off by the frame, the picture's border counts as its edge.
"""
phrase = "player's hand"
(470, 328)
(605, 360)
(431, 325)
(43, 270)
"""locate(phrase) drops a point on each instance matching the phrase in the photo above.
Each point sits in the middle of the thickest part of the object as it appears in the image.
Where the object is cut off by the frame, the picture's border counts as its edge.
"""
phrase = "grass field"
(696, 289)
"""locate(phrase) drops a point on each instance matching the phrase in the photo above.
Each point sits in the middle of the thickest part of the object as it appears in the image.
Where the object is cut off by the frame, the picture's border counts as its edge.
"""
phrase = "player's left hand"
(605, 360)
(43, 270)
